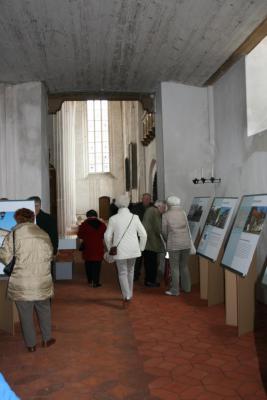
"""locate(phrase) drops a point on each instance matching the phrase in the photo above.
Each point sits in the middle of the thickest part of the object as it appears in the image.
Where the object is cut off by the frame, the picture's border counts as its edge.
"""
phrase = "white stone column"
(23, 142)
(64, 162)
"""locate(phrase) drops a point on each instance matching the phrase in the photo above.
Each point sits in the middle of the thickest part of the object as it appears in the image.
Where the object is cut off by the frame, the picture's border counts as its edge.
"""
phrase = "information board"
(216, 226)
(7, 221)
(245, 234)
(196, 214)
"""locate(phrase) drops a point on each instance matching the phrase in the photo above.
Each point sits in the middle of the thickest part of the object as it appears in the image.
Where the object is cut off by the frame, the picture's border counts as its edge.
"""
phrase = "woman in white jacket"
(125, 231)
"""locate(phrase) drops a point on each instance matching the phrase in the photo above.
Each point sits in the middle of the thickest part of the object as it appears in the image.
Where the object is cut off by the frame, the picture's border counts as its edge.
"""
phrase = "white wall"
(23, 142)
(241, 161)
(186, 145)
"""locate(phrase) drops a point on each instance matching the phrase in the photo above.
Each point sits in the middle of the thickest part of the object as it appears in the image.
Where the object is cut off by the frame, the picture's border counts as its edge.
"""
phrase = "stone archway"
(153, 179)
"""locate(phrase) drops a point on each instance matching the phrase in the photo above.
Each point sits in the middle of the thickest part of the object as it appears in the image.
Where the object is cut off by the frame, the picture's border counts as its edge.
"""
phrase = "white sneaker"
(169, 293)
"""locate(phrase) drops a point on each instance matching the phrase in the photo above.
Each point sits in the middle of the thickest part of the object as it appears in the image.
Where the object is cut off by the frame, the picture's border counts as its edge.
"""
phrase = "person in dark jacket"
(91, 231)
(139, 209)
(113, 209)
(46, 222)
(154, 252)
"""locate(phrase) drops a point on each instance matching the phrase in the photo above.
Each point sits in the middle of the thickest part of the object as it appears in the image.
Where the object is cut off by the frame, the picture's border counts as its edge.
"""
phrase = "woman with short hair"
(126, 232)
(91, 231)
(30, 284)
(176, 233)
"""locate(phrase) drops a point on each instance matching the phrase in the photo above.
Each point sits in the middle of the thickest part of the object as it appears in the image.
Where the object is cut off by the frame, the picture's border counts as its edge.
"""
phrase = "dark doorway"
(155, 188)
(53, 190)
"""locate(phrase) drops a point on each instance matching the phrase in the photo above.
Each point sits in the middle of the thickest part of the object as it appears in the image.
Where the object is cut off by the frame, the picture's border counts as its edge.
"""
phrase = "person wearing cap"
(178, 241)
(126, 232)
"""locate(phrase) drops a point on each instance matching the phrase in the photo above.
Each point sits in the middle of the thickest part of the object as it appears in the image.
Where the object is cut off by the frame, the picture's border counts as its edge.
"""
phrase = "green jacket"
(152, 224)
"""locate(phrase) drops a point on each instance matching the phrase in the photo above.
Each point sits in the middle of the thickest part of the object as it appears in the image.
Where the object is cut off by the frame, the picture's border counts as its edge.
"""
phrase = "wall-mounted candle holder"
(203, 180)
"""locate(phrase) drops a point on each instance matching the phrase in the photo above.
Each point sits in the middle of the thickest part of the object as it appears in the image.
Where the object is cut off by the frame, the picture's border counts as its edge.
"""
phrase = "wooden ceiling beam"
(56, 100)
(252, 40)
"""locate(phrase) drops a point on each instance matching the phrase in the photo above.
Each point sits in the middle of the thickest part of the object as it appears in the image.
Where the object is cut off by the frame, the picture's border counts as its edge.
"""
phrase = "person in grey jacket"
(176, 233)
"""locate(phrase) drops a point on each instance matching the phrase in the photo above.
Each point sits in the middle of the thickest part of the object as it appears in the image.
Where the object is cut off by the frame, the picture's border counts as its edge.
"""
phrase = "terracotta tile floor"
(160, 348)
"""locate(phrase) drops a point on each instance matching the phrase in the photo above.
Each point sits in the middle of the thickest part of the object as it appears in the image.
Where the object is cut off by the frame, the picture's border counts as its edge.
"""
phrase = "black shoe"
(152, 284)
(31, 349)
(97, 284)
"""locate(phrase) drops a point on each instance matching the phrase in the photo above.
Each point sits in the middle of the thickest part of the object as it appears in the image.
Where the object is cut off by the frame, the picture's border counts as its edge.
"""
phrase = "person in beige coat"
(176, 233)
(30, 284)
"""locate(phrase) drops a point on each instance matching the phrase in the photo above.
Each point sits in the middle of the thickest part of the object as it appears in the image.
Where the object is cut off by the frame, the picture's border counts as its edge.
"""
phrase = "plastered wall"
(24, 161)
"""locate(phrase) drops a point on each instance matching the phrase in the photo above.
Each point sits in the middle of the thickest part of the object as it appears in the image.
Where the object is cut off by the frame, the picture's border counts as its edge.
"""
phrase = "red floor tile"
(160, 348)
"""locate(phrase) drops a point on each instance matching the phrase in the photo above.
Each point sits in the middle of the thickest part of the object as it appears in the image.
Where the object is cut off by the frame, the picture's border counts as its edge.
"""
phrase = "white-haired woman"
(126, 232)
(177, 236)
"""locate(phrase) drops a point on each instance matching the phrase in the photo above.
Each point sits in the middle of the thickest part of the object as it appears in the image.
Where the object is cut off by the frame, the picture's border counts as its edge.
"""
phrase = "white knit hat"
(173, 201)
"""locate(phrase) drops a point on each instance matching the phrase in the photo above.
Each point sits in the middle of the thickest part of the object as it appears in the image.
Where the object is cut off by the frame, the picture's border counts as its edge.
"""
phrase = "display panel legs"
(211, 281)
(193, 265)
(240, 299)
(203, 274)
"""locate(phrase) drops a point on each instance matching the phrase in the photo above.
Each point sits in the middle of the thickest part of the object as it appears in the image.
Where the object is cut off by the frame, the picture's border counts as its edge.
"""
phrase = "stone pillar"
(64, 162)
(24, 162)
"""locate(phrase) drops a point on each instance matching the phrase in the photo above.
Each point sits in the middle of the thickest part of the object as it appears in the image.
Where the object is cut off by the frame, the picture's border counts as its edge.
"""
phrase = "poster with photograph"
(245, 234)
(7, 221)
(216, 226)
(197, 215)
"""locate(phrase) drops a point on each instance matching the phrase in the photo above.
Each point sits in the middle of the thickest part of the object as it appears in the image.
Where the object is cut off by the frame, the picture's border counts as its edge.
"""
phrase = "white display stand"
(211, 280)
(193, 265)
(63, 268)
(240, 299)
(210, 249)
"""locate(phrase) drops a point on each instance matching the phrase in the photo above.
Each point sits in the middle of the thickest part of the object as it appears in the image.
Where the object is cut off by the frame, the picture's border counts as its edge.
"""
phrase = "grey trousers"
(43, 310)
(126, 275)
(179, 269)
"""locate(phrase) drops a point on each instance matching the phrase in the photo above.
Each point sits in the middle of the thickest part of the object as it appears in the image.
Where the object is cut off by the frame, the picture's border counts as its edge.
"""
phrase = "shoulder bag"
(192, 249)
(108, 256)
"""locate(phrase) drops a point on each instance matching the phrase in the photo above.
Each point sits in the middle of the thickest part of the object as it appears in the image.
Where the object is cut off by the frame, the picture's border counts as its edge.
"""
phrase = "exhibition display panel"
(240, 261)
(245, 234)
(197, 215)
(216, 227)
(196, 219)
(210, 249)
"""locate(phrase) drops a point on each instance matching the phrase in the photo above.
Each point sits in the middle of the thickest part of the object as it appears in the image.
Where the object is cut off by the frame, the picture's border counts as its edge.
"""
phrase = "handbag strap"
(189, 232)
(13, 234)
(125, 231)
